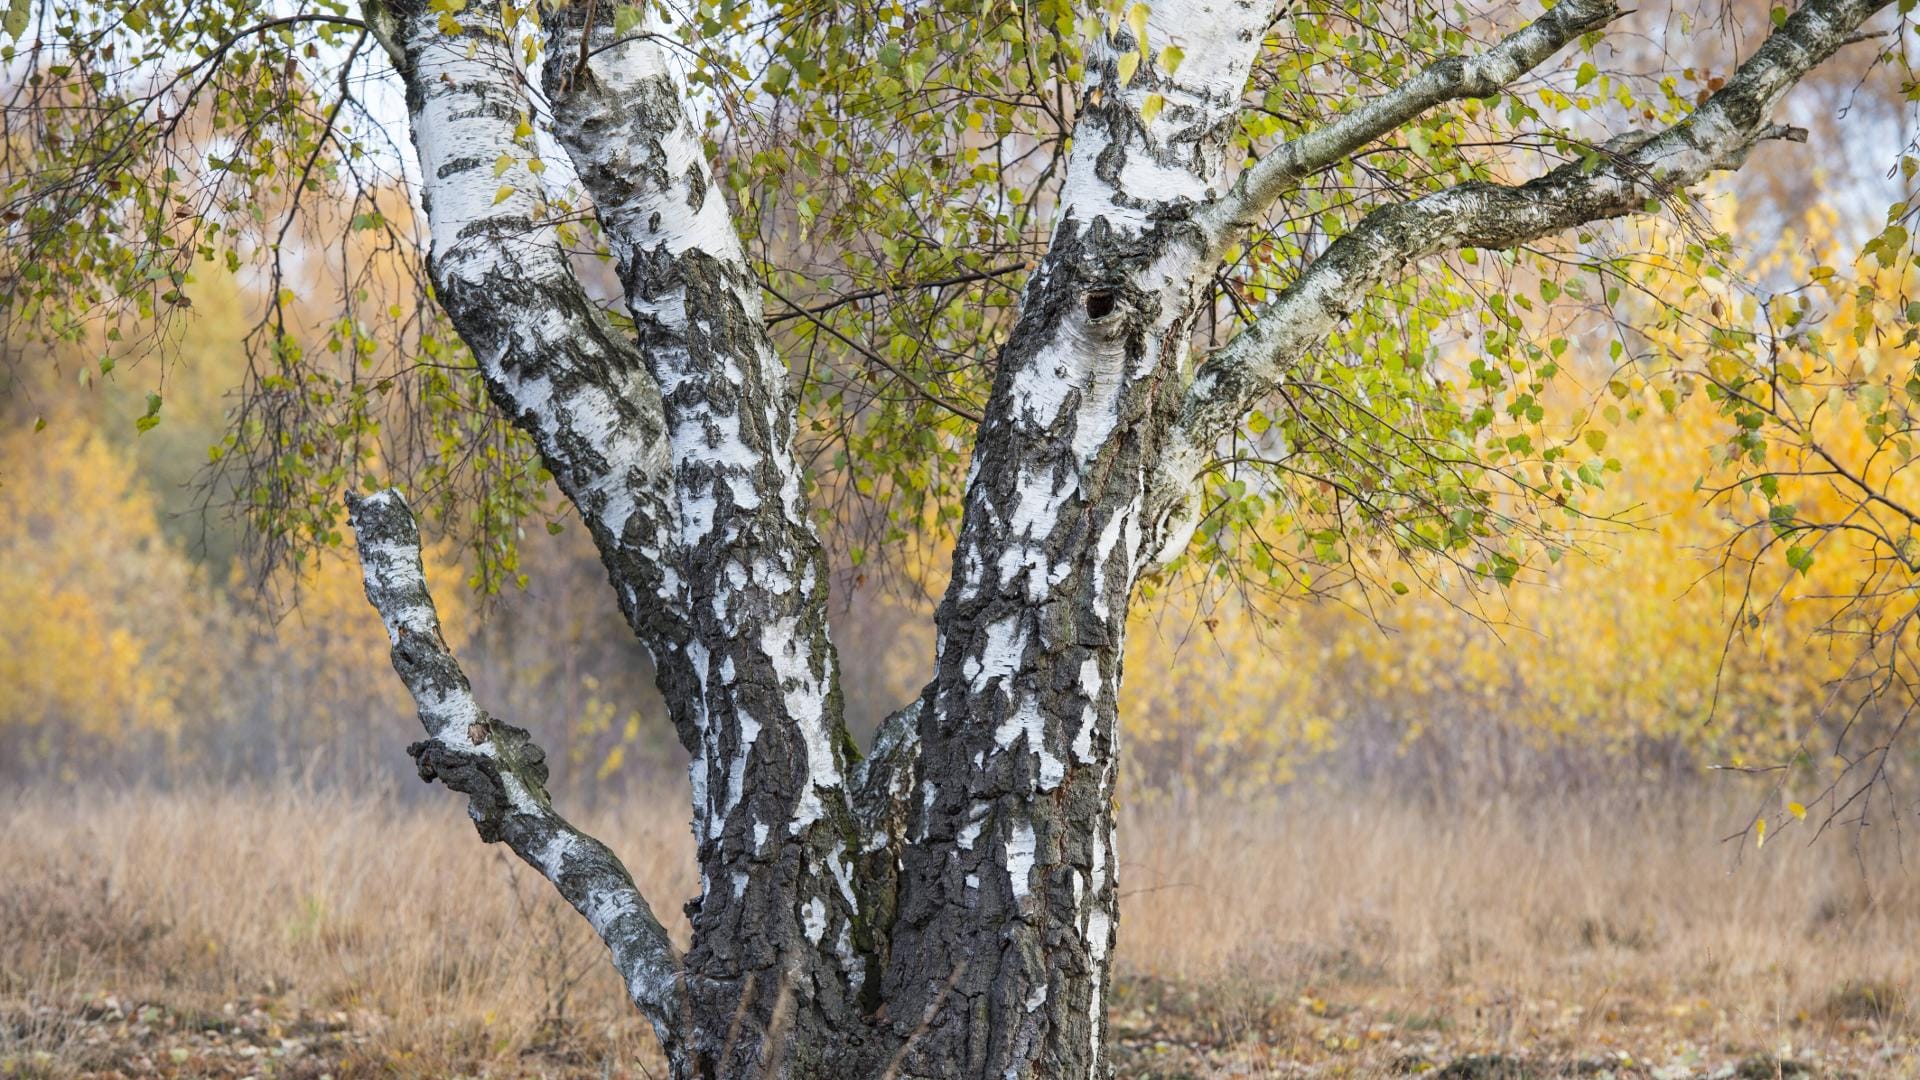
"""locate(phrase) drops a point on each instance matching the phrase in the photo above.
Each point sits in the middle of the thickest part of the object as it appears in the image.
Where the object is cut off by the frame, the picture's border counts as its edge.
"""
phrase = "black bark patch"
(696, 188)
(478, 776)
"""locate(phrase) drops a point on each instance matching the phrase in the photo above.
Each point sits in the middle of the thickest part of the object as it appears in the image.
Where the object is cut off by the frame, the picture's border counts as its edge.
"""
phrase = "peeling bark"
(945, 907)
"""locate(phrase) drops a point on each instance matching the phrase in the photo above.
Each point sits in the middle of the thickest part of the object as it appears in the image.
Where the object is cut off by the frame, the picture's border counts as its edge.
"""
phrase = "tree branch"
(1625, 176)
(1445, 80)
(885, 788)
(795, 312)
(924, 392)
(1440, 81)
(499, 767)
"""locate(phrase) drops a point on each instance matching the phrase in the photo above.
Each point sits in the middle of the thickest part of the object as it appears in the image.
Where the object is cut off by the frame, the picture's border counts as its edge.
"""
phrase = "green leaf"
(19, 14)
(152, 418)
(1800, 559)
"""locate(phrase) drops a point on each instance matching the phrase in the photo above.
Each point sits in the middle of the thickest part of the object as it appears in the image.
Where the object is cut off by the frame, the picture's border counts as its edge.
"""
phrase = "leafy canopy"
(893, 168)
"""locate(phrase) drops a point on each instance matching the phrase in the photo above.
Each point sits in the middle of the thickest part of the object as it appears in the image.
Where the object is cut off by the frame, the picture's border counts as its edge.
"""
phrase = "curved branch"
(499, 767)
(1445, 80)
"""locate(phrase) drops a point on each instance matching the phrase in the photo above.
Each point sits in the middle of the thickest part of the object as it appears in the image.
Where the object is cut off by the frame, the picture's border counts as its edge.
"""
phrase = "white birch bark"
(1010, 872)
(501, 770)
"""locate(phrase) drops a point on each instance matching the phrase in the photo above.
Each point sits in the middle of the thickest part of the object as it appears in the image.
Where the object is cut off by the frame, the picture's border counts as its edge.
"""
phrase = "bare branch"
(795, 312)
(1445, 80)
(499, 767)
(926, 393)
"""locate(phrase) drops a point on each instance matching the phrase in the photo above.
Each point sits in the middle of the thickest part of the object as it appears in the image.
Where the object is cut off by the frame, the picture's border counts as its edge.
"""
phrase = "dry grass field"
(293, 933)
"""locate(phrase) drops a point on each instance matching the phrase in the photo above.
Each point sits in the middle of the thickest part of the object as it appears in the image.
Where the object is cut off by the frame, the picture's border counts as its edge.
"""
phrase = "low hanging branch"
(499, 767)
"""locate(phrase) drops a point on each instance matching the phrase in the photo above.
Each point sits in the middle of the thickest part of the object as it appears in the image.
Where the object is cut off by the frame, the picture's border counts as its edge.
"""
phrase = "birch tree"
(942, 902)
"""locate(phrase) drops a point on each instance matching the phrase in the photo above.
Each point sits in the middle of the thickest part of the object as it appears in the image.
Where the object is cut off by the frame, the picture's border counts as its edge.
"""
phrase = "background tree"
(1217, 334)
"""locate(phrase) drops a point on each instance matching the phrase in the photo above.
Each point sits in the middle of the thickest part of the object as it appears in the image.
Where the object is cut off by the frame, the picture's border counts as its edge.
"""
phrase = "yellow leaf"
(1151, 107)
(536, 165)
(523, 130)
(1127, 65)
(1797, 810)
(1137, 22)
(501, 195)
(1725, 369)
(1760, 833)
(1170, 58)
(502, 163)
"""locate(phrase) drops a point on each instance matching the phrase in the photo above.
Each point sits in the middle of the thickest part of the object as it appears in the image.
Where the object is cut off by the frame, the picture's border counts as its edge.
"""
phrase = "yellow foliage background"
(121, 641)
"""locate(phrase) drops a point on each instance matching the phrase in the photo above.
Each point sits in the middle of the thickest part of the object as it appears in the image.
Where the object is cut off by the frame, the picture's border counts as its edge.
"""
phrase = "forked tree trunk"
(945, 906)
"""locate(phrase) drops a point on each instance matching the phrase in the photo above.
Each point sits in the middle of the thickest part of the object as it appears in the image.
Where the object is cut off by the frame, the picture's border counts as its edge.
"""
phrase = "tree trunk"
(1007, 909)
(946, 906)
